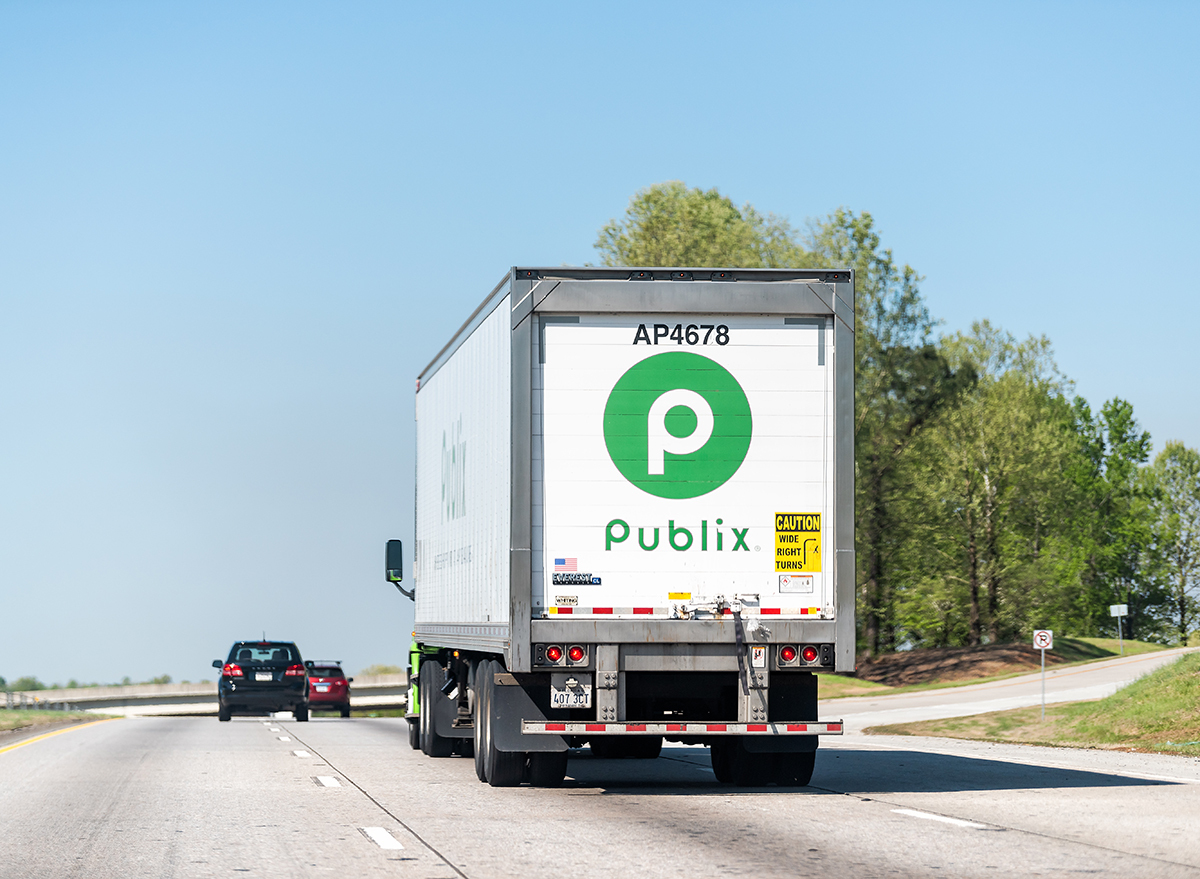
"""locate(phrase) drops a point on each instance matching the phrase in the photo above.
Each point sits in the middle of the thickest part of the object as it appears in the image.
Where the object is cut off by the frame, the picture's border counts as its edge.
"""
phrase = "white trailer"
(635, 520)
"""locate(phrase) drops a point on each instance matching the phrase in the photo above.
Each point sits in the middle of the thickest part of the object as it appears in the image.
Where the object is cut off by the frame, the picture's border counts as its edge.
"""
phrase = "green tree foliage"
(26, 684)
(1176, 478)
(669, 224)
(990, 499)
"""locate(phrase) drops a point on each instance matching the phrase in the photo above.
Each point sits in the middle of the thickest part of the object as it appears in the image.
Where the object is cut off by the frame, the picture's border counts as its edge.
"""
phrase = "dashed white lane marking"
(285, 738)
(275, 729)
(929, 816)
(329, 781)
(302, 753)
(382, 838)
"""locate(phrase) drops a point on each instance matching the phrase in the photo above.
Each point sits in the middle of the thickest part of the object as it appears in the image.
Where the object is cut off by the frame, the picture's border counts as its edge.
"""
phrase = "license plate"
(571, 697)
(263, 676)
(322, 688)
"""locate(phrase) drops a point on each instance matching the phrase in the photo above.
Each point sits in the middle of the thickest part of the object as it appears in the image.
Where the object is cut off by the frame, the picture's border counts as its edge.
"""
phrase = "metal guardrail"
(379, 691)
(27, 702)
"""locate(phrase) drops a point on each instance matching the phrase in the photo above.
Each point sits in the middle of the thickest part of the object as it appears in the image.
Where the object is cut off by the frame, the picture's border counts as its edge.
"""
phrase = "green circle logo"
(677, 425)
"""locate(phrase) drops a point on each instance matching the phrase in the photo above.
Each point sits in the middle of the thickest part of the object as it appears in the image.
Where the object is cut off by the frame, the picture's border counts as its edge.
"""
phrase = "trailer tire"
(483, 673)
(547, 768)
(414, 733)
(720, 754)
(431, 743)
(503, 768)
(750, 769)
(796, 769)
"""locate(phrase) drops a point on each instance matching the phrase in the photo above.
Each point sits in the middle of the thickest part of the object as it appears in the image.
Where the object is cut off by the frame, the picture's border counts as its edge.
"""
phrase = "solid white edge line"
(382, 838)
(329, 781)
(929, 816)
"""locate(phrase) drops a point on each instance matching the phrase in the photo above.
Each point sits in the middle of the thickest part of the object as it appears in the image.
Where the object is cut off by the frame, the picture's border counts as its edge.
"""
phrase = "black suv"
(262, 676)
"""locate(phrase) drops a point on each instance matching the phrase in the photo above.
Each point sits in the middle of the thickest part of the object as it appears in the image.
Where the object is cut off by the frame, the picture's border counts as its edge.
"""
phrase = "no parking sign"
(1043, 639)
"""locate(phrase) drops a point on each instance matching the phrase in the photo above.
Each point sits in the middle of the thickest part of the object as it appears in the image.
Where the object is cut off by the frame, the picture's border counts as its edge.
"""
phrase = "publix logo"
(677, 425)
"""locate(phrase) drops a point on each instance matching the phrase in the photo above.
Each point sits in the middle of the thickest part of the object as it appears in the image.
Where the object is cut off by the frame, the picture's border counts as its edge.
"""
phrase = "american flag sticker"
(566, 564)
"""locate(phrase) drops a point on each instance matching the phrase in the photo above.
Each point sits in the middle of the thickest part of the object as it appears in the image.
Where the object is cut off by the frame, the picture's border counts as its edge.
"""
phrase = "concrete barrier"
(367, 691)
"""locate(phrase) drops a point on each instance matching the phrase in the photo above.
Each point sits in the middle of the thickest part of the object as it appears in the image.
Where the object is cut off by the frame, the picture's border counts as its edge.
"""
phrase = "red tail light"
(554, 653)
(787, 654)
(576, 654)
(809, 653)
(232, 671)
(294, 671)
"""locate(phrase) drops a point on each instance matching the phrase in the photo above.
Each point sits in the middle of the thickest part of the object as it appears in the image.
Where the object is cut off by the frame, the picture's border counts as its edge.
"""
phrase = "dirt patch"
(941, 664)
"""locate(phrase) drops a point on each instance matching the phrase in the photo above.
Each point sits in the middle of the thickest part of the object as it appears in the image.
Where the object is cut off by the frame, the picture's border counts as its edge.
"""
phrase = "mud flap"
(510, 705)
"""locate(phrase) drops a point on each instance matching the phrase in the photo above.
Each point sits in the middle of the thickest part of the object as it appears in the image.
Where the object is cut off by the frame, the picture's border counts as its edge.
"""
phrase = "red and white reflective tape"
(666, 611)
(607, 611)
(582, 728)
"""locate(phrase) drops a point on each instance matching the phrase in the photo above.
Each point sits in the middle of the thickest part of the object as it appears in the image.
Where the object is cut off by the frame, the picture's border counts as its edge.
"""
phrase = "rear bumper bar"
(583, 728)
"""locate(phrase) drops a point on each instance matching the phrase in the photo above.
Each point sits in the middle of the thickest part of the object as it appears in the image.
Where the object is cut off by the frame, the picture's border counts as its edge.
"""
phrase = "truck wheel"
(748, 769)
(796, 769)
(483, 673)
(431, 743)
(606, 748)
(301, 713)
(721, 752)
(414, 734)
(503, 768)
(547, 768)
(223, 713)
(643, 747)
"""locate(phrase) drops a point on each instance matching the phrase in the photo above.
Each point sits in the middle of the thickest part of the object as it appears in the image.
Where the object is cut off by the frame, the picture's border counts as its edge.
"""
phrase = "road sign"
(1043, 639)
(1118, 610)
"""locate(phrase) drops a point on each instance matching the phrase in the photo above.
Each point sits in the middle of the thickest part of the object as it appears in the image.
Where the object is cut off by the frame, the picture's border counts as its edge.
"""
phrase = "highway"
(188, 796)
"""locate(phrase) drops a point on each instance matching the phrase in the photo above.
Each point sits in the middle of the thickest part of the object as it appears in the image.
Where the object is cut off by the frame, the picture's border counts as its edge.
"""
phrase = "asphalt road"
(166, 797)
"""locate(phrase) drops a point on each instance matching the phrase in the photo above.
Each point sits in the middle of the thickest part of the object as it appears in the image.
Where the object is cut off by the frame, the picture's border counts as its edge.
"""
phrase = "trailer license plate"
(571, 697)
(263, 676)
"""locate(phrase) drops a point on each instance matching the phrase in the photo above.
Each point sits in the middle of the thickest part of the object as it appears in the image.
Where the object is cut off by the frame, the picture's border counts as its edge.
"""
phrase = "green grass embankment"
(20, 718)
(1160, 712)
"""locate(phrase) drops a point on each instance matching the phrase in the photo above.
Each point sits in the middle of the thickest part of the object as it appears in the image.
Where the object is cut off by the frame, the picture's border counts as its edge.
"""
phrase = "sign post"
(1043, 640)
(1118, 611)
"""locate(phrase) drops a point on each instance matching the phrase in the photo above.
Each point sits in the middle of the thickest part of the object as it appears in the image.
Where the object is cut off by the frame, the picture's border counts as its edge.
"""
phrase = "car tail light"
(232, 671)
(554, 653)
(787, 654)
(809, 653)
(294, 671)
(576, 654)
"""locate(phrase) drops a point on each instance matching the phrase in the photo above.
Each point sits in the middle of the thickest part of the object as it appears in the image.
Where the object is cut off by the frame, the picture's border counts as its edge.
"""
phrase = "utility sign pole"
(1043, 640)
(1118, 611)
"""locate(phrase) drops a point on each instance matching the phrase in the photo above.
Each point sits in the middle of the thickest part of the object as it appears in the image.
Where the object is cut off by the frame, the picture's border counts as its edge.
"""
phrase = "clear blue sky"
(231, 234)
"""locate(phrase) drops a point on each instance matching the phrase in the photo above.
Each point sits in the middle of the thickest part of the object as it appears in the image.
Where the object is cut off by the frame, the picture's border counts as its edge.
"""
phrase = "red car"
(328, 687)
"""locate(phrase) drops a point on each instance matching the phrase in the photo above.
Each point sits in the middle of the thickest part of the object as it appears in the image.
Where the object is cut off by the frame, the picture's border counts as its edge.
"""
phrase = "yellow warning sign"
(798, 542)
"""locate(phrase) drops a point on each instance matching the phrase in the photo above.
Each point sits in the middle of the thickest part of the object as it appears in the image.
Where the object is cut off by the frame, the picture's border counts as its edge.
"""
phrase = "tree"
(1176, 474)
(668, 224)
(1114, 515)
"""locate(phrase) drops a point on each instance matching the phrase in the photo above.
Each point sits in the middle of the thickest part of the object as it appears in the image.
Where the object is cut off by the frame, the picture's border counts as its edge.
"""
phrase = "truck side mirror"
(395, 561)
(394, 568)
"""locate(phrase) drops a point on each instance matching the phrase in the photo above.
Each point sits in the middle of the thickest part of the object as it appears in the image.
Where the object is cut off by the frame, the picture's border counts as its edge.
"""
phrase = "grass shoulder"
(20, 718)
(1159, 713)
(920, 670)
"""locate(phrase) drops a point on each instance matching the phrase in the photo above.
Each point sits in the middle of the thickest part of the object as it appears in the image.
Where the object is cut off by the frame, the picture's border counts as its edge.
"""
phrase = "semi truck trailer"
(635, 521)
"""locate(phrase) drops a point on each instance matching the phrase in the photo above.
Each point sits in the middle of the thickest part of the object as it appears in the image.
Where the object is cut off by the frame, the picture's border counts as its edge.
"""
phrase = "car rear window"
(325, 671)
(264, 654)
